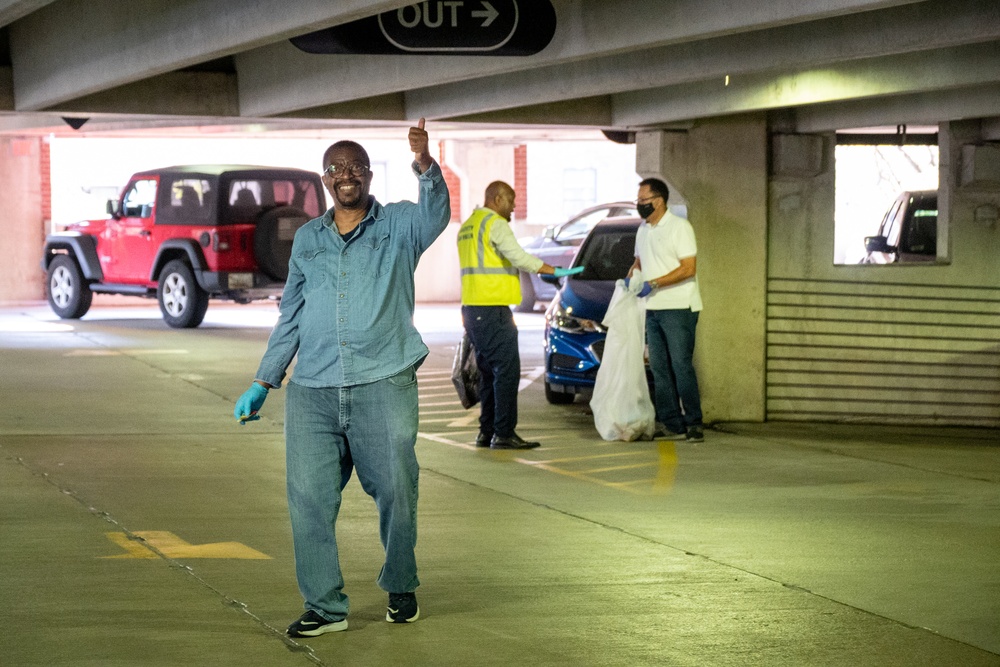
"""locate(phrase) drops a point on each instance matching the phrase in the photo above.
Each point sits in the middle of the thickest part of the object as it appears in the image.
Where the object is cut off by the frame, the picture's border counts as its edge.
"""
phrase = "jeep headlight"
(562, 318)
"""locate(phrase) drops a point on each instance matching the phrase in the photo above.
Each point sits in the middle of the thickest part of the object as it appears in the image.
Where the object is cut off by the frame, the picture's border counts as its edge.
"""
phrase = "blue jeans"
(494, 337)
(330, 431)
(670, 337)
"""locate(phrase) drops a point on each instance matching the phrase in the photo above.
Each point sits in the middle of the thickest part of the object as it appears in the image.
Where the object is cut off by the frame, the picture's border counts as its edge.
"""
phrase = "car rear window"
(246, 199)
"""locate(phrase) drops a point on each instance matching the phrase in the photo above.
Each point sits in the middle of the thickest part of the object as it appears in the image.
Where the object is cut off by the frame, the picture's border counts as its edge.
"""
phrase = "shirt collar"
(375, 213)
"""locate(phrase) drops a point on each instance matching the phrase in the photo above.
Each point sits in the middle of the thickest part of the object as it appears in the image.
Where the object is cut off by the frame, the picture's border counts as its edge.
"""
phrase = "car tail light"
(220, 242)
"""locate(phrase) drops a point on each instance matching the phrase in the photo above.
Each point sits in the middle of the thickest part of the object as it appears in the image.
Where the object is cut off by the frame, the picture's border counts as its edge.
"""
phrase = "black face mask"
(645, 210)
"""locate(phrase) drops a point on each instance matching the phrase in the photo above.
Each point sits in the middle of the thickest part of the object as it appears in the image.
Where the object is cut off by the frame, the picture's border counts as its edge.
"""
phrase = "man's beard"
(357, 198)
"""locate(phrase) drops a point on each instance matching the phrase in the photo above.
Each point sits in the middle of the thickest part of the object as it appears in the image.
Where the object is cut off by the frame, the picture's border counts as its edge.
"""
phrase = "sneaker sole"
(388, 617)
(337, 626)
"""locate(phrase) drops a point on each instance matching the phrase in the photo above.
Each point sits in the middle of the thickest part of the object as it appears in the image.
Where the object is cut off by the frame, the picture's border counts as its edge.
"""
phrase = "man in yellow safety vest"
(490, 258)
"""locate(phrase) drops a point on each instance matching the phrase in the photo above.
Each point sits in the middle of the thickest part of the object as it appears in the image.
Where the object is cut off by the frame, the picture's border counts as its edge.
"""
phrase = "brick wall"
(45, 174)
(521, 182)
(454, 184)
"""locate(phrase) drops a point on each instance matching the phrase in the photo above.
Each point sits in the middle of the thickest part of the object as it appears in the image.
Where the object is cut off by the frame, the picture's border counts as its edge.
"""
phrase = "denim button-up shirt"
(347, 307)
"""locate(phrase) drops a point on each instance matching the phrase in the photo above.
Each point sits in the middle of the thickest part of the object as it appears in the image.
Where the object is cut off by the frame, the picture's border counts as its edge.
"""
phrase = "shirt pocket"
(376, 254)
(313, 267)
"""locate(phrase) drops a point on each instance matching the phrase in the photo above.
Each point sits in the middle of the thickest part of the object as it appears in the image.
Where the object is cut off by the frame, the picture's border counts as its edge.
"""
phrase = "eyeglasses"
(354, 169)
(646, 200)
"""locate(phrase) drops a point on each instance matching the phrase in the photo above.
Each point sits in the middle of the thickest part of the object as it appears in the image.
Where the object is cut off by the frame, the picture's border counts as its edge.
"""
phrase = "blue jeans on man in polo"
(370, 428)
(670, 338)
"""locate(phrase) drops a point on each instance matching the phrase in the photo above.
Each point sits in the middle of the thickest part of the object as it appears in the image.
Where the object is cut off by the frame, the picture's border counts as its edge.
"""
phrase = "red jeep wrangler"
(184, 235)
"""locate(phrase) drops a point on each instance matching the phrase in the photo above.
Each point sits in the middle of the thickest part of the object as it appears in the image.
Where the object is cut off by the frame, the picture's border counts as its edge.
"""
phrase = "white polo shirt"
(660, 248)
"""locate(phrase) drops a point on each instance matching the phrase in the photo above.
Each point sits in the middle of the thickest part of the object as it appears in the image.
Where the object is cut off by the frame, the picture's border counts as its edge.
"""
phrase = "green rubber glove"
(250, 403)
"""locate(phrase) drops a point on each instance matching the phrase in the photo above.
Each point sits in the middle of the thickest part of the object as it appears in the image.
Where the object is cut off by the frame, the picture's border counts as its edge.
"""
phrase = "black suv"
(908, 231)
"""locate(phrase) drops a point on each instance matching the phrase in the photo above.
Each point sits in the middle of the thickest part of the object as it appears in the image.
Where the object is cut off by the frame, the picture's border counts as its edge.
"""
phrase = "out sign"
(451, 25)
(443, 27)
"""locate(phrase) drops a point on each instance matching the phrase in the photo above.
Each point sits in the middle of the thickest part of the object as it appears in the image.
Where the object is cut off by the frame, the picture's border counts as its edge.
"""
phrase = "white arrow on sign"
(489, 13)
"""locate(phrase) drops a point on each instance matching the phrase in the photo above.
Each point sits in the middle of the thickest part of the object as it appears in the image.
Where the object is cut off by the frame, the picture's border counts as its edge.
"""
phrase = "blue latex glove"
(559, 272)
(250, 403)
(646, 289)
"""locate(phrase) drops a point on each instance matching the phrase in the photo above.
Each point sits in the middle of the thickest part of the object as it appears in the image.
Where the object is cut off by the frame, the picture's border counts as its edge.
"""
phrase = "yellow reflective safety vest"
(488, 278)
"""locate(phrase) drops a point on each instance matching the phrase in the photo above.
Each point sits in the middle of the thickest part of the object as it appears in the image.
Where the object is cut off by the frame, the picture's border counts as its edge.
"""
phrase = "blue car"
(574, 336)
(558, 246)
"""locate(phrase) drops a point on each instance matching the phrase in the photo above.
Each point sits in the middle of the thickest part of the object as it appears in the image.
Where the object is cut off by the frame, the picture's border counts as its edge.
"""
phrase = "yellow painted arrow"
(172, 546)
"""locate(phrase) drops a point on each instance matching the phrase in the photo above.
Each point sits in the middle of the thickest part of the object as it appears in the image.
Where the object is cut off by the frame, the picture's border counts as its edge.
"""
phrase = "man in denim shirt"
(347, 312)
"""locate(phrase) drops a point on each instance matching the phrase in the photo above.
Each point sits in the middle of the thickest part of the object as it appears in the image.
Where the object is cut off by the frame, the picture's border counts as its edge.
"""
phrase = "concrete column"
(21, 225)
(969, 204)
(719, 169)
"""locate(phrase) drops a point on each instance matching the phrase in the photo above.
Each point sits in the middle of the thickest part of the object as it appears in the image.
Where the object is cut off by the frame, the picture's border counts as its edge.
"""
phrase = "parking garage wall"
(897, 344)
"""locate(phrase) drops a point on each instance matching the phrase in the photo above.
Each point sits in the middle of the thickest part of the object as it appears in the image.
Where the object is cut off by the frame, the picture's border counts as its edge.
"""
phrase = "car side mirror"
(112, 208)
(550, 232)
(878, 244)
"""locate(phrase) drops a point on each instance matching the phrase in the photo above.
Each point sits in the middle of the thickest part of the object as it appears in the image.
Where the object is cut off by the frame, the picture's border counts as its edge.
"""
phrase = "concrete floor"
(139, 525)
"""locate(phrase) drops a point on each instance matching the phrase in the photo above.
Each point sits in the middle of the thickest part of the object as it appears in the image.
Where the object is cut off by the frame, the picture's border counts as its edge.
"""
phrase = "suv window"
(920, 227)
(138, 201)
(890, 224)
(247, 198)
(187, 201)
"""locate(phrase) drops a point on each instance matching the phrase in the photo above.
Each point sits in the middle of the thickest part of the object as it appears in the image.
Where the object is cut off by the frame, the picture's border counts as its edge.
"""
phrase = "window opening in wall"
(579, 190)
(886, 199)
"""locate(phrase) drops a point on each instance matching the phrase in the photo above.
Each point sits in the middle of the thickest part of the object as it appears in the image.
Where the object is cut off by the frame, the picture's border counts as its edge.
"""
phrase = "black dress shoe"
(513, 442)
(483, 439)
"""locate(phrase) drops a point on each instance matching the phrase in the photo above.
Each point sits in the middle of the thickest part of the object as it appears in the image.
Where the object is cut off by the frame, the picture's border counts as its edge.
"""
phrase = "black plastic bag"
(465, 373)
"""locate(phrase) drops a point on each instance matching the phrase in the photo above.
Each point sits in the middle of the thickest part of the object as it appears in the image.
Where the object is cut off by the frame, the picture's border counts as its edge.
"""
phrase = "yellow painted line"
(587, 458)
(659, 485)
(133, 548)
(172, 546)
(647, 464)
(576, 475)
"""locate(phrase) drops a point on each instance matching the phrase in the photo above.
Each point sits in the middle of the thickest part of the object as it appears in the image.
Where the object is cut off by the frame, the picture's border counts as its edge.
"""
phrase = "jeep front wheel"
(182, 302)
(68, 293)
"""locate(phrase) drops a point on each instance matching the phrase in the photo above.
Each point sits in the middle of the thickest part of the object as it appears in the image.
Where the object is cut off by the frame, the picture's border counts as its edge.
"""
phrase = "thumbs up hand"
(418, 144)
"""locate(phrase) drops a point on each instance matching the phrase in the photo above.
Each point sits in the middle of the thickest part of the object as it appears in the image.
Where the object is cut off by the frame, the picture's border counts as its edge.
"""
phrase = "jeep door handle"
(146, 233)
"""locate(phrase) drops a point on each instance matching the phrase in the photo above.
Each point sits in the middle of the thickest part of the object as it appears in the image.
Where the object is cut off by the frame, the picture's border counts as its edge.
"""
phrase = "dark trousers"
(670, 338)
(494, 336)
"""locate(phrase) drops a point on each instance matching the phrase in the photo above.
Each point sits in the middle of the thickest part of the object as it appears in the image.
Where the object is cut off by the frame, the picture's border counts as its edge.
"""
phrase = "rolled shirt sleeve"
(503, 240)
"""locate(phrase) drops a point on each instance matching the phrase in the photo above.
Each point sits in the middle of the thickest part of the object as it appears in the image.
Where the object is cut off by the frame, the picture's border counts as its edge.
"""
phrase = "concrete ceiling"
(622, 65)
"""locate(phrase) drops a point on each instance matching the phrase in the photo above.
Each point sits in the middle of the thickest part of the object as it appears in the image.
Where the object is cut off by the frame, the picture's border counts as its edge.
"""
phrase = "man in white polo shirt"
(664, 273)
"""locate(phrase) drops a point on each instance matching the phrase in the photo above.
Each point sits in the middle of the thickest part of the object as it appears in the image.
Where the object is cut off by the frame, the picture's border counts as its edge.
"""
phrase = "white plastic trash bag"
(621, 404)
